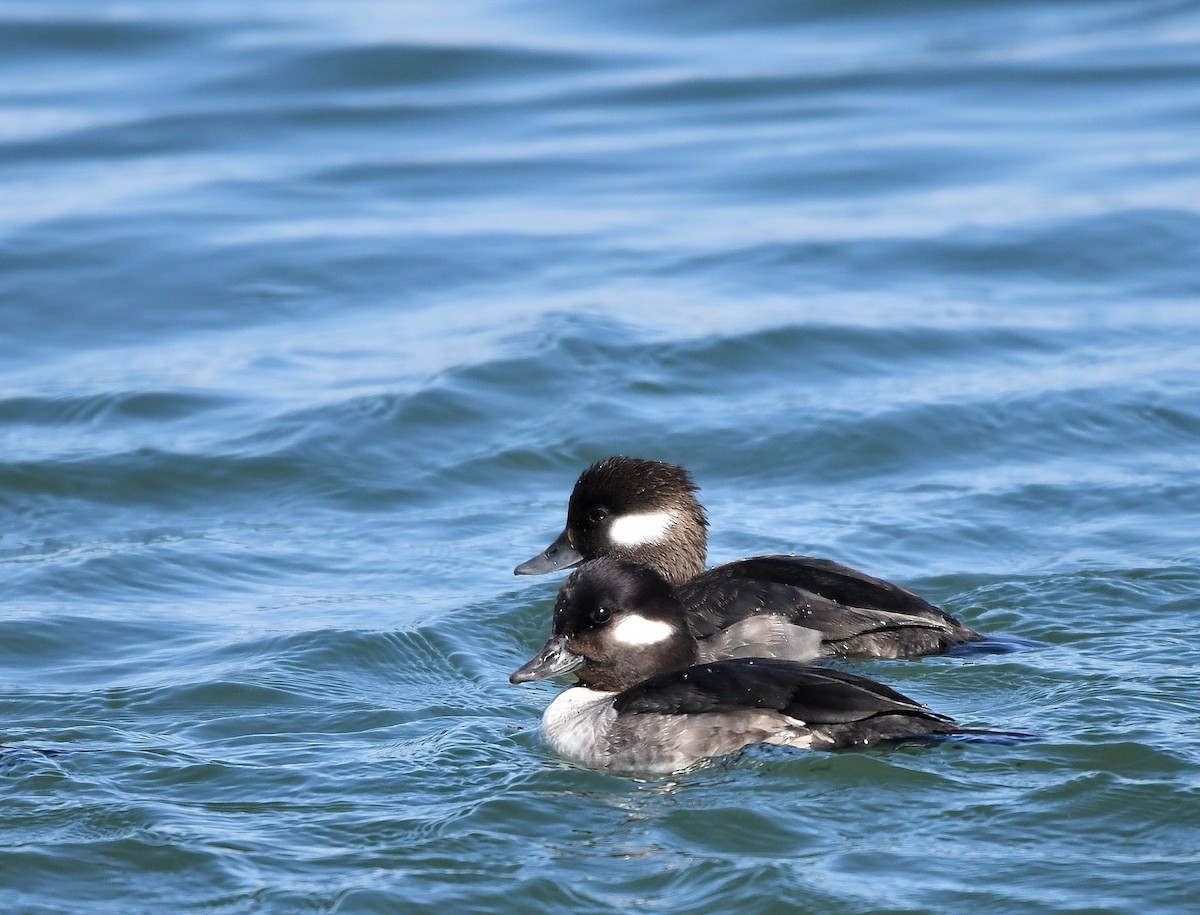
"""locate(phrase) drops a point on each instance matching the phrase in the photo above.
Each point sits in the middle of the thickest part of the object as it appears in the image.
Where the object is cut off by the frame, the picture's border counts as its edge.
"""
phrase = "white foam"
(640, 529)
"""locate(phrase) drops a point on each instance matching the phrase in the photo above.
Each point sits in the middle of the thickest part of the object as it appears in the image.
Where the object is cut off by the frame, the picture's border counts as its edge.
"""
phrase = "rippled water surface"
(311, 313)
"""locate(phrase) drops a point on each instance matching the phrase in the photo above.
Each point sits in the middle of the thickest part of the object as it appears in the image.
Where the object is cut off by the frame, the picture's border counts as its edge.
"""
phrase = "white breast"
(582, 726)
(577, 724)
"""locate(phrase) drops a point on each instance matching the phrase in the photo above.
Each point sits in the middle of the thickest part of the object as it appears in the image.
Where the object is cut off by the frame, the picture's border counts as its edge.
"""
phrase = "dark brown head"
(643, 511)
(615, 625)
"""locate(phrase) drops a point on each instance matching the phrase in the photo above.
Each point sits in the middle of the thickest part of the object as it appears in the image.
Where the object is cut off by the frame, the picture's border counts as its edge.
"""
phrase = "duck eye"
(597, 515)
(601, 615)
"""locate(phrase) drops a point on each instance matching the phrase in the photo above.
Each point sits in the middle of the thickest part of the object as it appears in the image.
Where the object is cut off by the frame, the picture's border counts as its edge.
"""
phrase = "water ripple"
(314, 312)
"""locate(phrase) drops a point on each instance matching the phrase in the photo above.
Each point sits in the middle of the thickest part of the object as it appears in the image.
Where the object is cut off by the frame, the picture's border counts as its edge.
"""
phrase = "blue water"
(311, 313)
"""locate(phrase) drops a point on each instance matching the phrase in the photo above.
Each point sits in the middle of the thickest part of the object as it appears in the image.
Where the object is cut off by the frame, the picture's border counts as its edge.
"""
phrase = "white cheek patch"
(638, 631)
(636, 530)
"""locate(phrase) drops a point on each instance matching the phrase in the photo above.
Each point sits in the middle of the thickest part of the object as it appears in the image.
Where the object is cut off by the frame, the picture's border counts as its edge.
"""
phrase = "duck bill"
(558, 555)
(553, 660)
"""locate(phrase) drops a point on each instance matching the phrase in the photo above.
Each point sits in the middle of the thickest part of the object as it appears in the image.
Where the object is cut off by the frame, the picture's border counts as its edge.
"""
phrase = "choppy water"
(311, 312)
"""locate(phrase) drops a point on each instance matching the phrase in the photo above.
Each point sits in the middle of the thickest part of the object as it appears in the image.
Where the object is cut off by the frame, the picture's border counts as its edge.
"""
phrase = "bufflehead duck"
(647, 511)
(644, 704)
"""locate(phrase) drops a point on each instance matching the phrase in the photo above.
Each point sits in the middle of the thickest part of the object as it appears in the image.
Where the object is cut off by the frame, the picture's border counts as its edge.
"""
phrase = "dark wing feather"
(715, 602)
(830, 580)
(814, 695)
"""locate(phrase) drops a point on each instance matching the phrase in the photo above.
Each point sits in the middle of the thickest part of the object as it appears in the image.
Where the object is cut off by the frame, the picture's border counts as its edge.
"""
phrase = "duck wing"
(812, 695)
(718, 602)
(830, 580)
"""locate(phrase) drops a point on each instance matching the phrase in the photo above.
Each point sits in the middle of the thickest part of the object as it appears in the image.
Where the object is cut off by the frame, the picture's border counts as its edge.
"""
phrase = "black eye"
(597, 514)
(601, 615)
